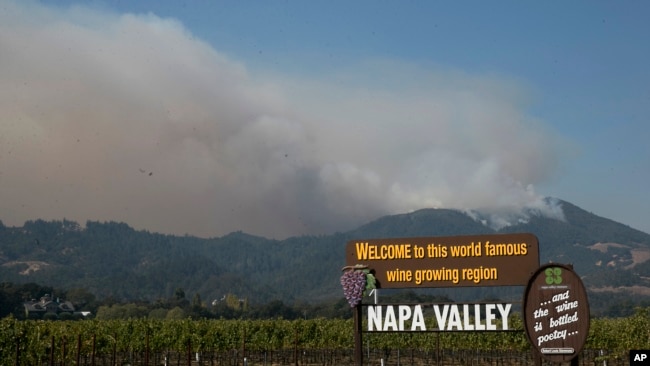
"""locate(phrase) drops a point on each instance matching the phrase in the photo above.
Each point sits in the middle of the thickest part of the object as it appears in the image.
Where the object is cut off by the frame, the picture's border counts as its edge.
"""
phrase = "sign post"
(358, 341)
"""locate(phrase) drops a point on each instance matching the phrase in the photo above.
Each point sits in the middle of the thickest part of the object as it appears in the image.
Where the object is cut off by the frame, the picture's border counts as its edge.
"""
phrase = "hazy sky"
(284, 118)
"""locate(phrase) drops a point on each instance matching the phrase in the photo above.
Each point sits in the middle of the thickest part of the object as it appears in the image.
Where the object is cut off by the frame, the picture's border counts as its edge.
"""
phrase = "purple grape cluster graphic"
(353, 282)
(356, 280)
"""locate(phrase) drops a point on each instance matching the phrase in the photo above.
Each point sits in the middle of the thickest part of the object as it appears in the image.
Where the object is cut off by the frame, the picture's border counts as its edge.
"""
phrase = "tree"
(175, 313)
(158, 313)
(236, 303)
(179, 294)
(82, 299)
(196, 301)
(277, 309)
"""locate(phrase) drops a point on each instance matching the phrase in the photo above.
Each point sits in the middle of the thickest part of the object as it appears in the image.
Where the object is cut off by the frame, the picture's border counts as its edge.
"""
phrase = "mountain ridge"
(113, 259)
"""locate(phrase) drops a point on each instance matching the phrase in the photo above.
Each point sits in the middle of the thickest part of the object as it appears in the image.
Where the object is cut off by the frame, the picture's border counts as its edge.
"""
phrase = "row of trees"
(178, 306)
(229, 306)
(181, 306)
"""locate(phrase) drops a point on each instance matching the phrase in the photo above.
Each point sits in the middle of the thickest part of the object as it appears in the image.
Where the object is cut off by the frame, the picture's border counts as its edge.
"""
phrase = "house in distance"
(47, 308)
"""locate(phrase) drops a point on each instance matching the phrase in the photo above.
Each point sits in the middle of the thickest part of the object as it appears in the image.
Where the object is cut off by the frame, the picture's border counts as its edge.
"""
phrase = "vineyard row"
(37, 340)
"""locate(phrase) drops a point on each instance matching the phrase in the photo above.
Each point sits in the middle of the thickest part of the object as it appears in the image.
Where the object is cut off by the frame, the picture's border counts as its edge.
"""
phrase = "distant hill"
(113, 259)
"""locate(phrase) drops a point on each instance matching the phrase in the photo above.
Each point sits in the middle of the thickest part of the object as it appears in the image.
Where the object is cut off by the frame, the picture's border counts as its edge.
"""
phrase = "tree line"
(181, 306)
(178, 306)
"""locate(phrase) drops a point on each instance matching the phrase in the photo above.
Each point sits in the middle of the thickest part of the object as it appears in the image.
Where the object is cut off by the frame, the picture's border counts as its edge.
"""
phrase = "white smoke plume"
(123, 117)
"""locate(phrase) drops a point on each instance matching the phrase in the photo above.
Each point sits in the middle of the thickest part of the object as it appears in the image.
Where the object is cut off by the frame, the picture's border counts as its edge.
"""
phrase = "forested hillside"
(111, 259)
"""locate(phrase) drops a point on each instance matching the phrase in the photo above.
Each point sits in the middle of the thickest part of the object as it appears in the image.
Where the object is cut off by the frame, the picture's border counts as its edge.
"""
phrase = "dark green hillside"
(605, 252)
(286, 269)
(426, 222)
(113, 260)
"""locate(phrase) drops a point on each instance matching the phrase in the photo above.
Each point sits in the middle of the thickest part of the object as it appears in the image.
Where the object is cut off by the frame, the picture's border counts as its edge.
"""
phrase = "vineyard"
(284, 342)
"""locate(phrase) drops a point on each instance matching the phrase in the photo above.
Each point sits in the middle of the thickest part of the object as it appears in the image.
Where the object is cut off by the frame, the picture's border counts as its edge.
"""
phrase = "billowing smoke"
(131, 118)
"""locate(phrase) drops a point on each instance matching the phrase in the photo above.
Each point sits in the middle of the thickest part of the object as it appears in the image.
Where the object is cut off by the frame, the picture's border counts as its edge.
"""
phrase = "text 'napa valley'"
(447, 317)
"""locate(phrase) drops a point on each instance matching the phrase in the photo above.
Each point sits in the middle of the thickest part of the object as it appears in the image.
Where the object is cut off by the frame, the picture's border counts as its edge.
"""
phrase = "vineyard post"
(78, 348)
(295, 347)
(92, 360)
(52, 352)
(63, 350)
(146, 347)
(438, 348)
(18, 350)
(189, 351)
(114, 349)
(243, 346)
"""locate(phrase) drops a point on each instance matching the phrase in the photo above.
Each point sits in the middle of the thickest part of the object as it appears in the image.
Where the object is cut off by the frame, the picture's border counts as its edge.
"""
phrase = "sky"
(285, 118)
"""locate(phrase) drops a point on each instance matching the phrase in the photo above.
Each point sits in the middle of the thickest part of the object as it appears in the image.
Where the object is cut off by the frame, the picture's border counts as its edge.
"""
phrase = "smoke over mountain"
(131, 118)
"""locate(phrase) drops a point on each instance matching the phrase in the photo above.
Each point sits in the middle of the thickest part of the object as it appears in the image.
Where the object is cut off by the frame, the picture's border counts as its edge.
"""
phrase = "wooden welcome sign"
(556, 312)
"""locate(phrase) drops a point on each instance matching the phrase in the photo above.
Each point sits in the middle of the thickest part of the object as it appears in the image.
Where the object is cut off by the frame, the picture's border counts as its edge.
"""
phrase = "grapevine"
(356, 281)
(31, 340)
